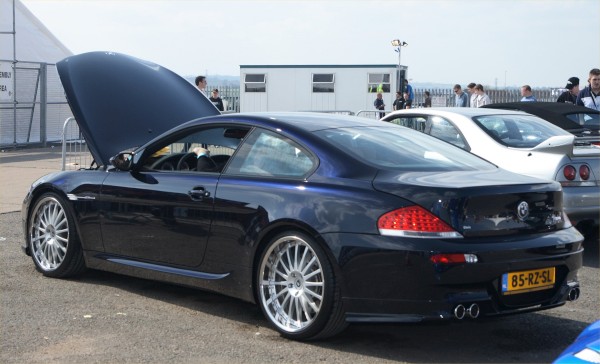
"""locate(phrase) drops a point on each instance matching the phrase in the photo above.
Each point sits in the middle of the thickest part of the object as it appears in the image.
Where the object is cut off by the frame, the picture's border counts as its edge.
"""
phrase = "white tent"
(34, 42)
(32, 103)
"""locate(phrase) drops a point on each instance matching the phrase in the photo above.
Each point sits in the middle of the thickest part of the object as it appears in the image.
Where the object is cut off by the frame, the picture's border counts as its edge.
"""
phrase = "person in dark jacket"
(216, 100)
(590, 96)
(570, 96)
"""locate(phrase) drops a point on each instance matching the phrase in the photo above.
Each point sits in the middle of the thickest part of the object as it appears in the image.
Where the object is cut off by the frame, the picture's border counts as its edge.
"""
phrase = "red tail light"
(453, 258)
(584, 172)
(414, 221)
(569, 172)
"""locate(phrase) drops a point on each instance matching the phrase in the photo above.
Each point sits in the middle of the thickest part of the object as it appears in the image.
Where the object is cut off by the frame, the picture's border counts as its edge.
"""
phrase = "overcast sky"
(493, 42)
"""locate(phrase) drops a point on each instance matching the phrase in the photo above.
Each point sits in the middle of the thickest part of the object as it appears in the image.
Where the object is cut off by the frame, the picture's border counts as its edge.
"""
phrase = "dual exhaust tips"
(461, 311)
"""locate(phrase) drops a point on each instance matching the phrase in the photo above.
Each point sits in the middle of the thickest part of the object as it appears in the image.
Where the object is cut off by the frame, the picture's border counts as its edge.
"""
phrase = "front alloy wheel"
(54, 246)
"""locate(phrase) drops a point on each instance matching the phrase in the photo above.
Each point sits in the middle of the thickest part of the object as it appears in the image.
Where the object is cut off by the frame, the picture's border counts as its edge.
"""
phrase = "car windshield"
(518, 131)
(400, 148)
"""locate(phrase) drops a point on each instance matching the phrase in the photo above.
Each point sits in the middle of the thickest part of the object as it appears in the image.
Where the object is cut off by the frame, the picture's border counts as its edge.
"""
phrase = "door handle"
(198, 193)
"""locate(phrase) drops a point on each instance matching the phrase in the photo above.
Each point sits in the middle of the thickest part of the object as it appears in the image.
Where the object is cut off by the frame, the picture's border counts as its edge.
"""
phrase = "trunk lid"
(481, 203)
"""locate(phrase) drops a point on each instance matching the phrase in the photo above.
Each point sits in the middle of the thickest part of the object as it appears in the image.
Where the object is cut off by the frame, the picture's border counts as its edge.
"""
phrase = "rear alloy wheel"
(53, 242)
(297, 290)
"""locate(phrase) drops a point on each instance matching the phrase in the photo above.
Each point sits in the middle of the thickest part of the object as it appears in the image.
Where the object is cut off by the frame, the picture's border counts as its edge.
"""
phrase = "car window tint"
(269, 154)
(590, 121)
(518, 131)
(403, 149)
(446, 131)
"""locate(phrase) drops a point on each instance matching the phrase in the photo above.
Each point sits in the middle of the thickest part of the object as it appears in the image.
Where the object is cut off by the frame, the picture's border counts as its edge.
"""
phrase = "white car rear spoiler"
(560, 144)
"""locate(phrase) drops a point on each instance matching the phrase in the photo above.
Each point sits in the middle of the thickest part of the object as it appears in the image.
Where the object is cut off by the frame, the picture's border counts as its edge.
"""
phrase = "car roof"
(554, 112)
(465, 111)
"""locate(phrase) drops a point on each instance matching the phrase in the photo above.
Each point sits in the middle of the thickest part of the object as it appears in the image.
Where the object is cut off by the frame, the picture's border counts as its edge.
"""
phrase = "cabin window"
(323, 82)
(379, 82)
(255, 82)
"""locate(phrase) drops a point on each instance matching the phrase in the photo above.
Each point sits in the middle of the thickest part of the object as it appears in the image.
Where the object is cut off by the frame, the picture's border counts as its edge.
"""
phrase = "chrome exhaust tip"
(573, 294)
(473, 311)
(459, 312)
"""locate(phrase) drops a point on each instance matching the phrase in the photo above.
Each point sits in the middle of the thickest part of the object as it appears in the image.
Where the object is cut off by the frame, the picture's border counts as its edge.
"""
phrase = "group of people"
(201, 83)
(476, 96)
(588, 97)
(404, 99)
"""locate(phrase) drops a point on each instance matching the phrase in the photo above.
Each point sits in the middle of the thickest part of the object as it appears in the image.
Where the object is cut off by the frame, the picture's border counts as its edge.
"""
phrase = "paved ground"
(21, 167)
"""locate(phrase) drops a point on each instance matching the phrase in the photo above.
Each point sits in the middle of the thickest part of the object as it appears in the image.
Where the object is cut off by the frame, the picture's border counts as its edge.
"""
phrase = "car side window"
(204, 150)
(265, 153)
(413, 122)
(446, 131)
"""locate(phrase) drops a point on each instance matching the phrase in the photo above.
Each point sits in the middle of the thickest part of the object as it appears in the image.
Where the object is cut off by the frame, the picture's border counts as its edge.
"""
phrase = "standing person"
(407, 101)
(379, 104)
(590, 96)
(482, 97)
(201, 84)
(527, 94)
(570, 96)
(427, 102)
(460, 98)
(216, 100)
(411, 95)
(399, 102)
(473, 94)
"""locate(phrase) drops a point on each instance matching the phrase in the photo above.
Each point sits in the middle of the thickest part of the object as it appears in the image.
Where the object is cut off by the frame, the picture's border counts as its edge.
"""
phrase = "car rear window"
(518, 131)
(400, 148)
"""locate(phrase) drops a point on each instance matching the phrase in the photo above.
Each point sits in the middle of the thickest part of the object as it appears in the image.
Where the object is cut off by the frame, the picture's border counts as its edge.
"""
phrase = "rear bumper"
(395, 281)
(582, 203)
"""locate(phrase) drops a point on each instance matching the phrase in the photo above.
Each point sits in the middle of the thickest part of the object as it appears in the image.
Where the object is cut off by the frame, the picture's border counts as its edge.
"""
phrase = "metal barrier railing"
(75, 153)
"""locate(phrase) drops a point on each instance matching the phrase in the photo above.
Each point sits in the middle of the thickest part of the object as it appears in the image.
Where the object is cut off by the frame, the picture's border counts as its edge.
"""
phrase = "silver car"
(521, 143)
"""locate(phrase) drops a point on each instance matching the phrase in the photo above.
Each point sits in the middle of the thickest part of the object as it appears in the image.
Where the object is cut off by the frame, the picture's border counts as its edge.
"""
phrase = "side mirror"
(122, 161)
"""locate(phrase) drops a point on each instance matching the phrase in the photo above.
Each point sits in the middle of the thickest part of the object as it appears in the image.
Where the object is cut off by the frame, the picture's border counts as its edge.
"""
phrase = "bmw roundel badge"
(523, 210)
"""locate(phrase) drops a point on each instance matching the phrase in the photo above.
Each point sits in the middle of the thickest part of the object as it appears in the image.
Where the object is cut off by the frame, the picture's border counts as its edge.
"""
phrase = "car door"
(163, 212)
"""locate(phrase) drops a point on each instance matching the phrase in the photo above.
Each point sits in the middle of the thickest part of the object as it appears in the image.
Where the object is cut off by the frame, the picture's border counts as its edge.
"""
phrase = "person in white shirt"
(482, 97)
(201, 84)
(472, 94)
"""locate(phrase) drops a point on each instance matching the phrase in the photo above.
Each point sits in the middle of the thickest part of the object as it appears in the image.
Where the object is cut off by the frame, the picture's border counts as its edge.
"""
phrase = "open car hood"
(122, 102)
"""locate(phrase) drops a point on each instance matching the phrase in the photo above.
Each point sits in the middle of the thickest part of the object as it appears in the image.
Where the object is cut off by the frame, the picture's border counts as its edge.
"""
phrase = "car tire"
(53, 241)
(297, 288)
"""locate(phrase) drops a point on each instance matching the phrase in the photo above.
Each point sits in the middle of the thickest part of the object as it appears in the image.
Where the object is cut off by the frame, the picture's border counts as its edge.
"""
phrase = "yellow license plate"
(528, 280)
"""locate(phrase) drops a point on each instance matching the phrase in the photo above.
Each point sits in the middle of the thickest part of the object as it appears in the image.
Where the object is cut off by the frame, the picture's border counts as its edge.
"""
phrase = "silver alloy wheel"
(49, 234)
(291, 284)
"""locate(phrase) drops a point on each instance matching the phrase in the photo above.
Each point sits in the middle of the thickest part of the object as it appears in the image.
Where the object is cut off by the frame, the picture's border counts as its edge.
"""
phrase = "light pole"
(399, 44)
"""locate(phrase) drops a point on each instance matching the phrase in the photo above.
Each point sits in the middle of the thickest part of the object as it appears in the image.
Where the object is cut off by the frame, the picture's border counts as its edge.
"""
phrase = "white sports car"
(522, 143)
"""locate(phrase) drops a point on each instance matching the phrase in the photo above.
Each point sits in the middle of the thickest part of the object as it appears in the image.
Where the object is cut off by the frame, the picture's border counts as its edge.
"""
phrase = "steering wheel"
(187, 162)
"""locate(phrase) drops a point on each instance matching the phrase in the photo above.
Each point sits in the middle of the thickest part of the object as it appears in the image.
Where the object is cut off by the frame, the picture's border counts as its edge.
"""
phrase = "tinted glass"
(269, 154)
(590, 121)
(399, 148)
(518, 131)
(446, 131)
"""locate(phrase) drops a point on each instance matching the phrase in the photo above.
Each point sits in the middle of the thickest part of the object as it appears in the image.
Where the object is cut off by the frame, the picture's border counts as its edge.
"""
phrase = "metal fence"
(38, 109)
(496, 96)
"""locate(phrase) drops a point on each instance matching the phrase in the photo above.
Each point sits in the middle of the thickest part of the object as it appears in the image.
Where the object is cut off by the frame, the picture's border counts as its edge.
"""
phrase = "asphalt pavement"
(19, 168)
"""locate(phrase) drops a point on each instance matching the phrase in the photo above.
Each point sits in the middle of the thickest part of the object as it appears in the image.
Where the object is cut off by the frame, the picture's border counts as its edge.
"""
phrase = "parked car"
(585, 349)
(521, 143)
(580, 121)
(320, 219)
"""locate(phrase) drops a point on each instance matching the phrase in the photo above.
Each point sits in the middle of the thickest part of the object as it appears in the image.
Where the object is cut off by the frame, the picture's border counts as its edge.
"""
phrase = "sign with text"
(7, 91)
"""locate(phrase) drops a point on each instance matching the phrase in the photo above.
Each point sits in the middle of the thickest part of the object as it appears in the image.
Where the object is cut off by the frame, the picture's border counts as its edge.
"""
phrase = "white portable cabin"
(342, 88)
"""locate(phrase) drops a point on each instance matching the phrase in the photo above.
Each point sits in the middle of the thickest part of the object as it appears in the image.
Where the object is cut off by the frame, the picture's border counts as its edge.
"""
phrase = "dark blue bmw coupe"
(320, 219)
